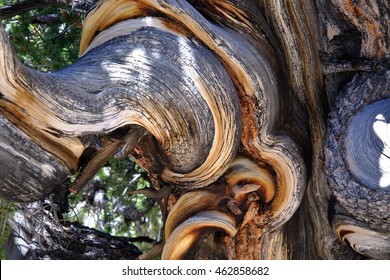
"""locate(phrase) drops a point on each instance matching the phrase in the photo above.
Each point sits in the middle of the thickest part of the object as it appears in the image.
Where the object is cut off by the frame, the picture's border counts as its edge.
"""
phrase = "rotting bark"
(230, 100)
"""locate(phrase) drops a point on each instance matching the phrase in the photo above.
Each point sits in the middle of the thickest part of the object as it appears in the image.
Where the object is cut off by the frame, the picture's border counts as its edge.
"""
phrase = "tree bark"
(38, 233)
(249, 111)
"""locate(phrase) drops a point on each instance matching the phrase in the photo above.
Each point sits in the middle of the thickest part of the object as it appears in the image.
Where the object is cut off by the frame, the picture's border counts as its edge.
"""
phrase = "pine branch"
(9, 11)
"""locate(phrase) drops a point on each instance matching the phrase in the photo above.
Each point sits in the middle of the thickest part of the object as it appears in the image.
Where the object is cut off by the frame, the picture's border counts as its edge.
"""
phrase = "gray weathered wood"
(230, 98)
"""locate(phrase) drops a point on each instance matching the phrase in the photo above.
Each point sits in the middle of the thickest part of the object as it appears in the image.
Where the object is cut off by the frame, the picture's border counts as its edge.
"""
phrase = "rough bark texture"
(249, 111)
(38, 233)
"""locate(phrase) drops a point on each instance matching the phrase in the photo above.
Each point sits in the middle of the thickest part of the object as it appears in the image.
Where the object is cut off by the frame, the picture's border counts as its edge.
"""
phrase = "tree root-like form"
(145, 82)
(219, 208)
(194, 91)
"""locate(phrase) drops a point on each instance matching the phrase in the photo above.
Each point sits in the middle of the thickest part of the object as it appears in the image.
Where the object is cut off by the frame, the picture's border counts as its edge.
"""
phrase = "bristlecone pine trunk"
(267, 121)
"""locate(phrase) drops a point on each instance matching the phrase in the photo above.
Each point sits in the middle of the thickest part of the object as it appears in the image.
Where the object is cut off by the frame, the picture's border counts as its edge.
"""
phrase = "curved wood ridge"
(364, 241)
(224, 119)
(224, 208)
(254, 69)
(155, 78)
(223, 102)
(192, 114)
(356, 160)
(185, 77)
(242, 178)
(190, 231)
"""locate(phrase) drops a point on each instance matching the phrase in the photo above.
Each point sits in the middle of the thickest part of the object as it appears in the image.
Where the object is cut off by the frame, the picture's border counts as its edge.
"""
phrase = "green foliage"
(108, 205)
(46, 47)
(6, 211)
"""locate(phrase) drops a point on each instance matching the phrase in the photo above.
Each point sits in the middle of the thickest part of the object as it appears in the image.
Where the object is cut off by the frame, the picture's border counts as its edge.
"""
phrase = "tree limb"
(9, 11)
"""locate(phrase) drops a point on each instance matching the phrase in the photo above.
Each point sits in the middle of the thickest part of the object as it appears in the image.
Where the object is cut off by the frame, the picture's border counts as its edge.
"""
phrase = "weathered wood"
(27, 171)
(354, 40)
(114, 99)
(38, 235)
(259, 82)
(231, 98)
(356, 164)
